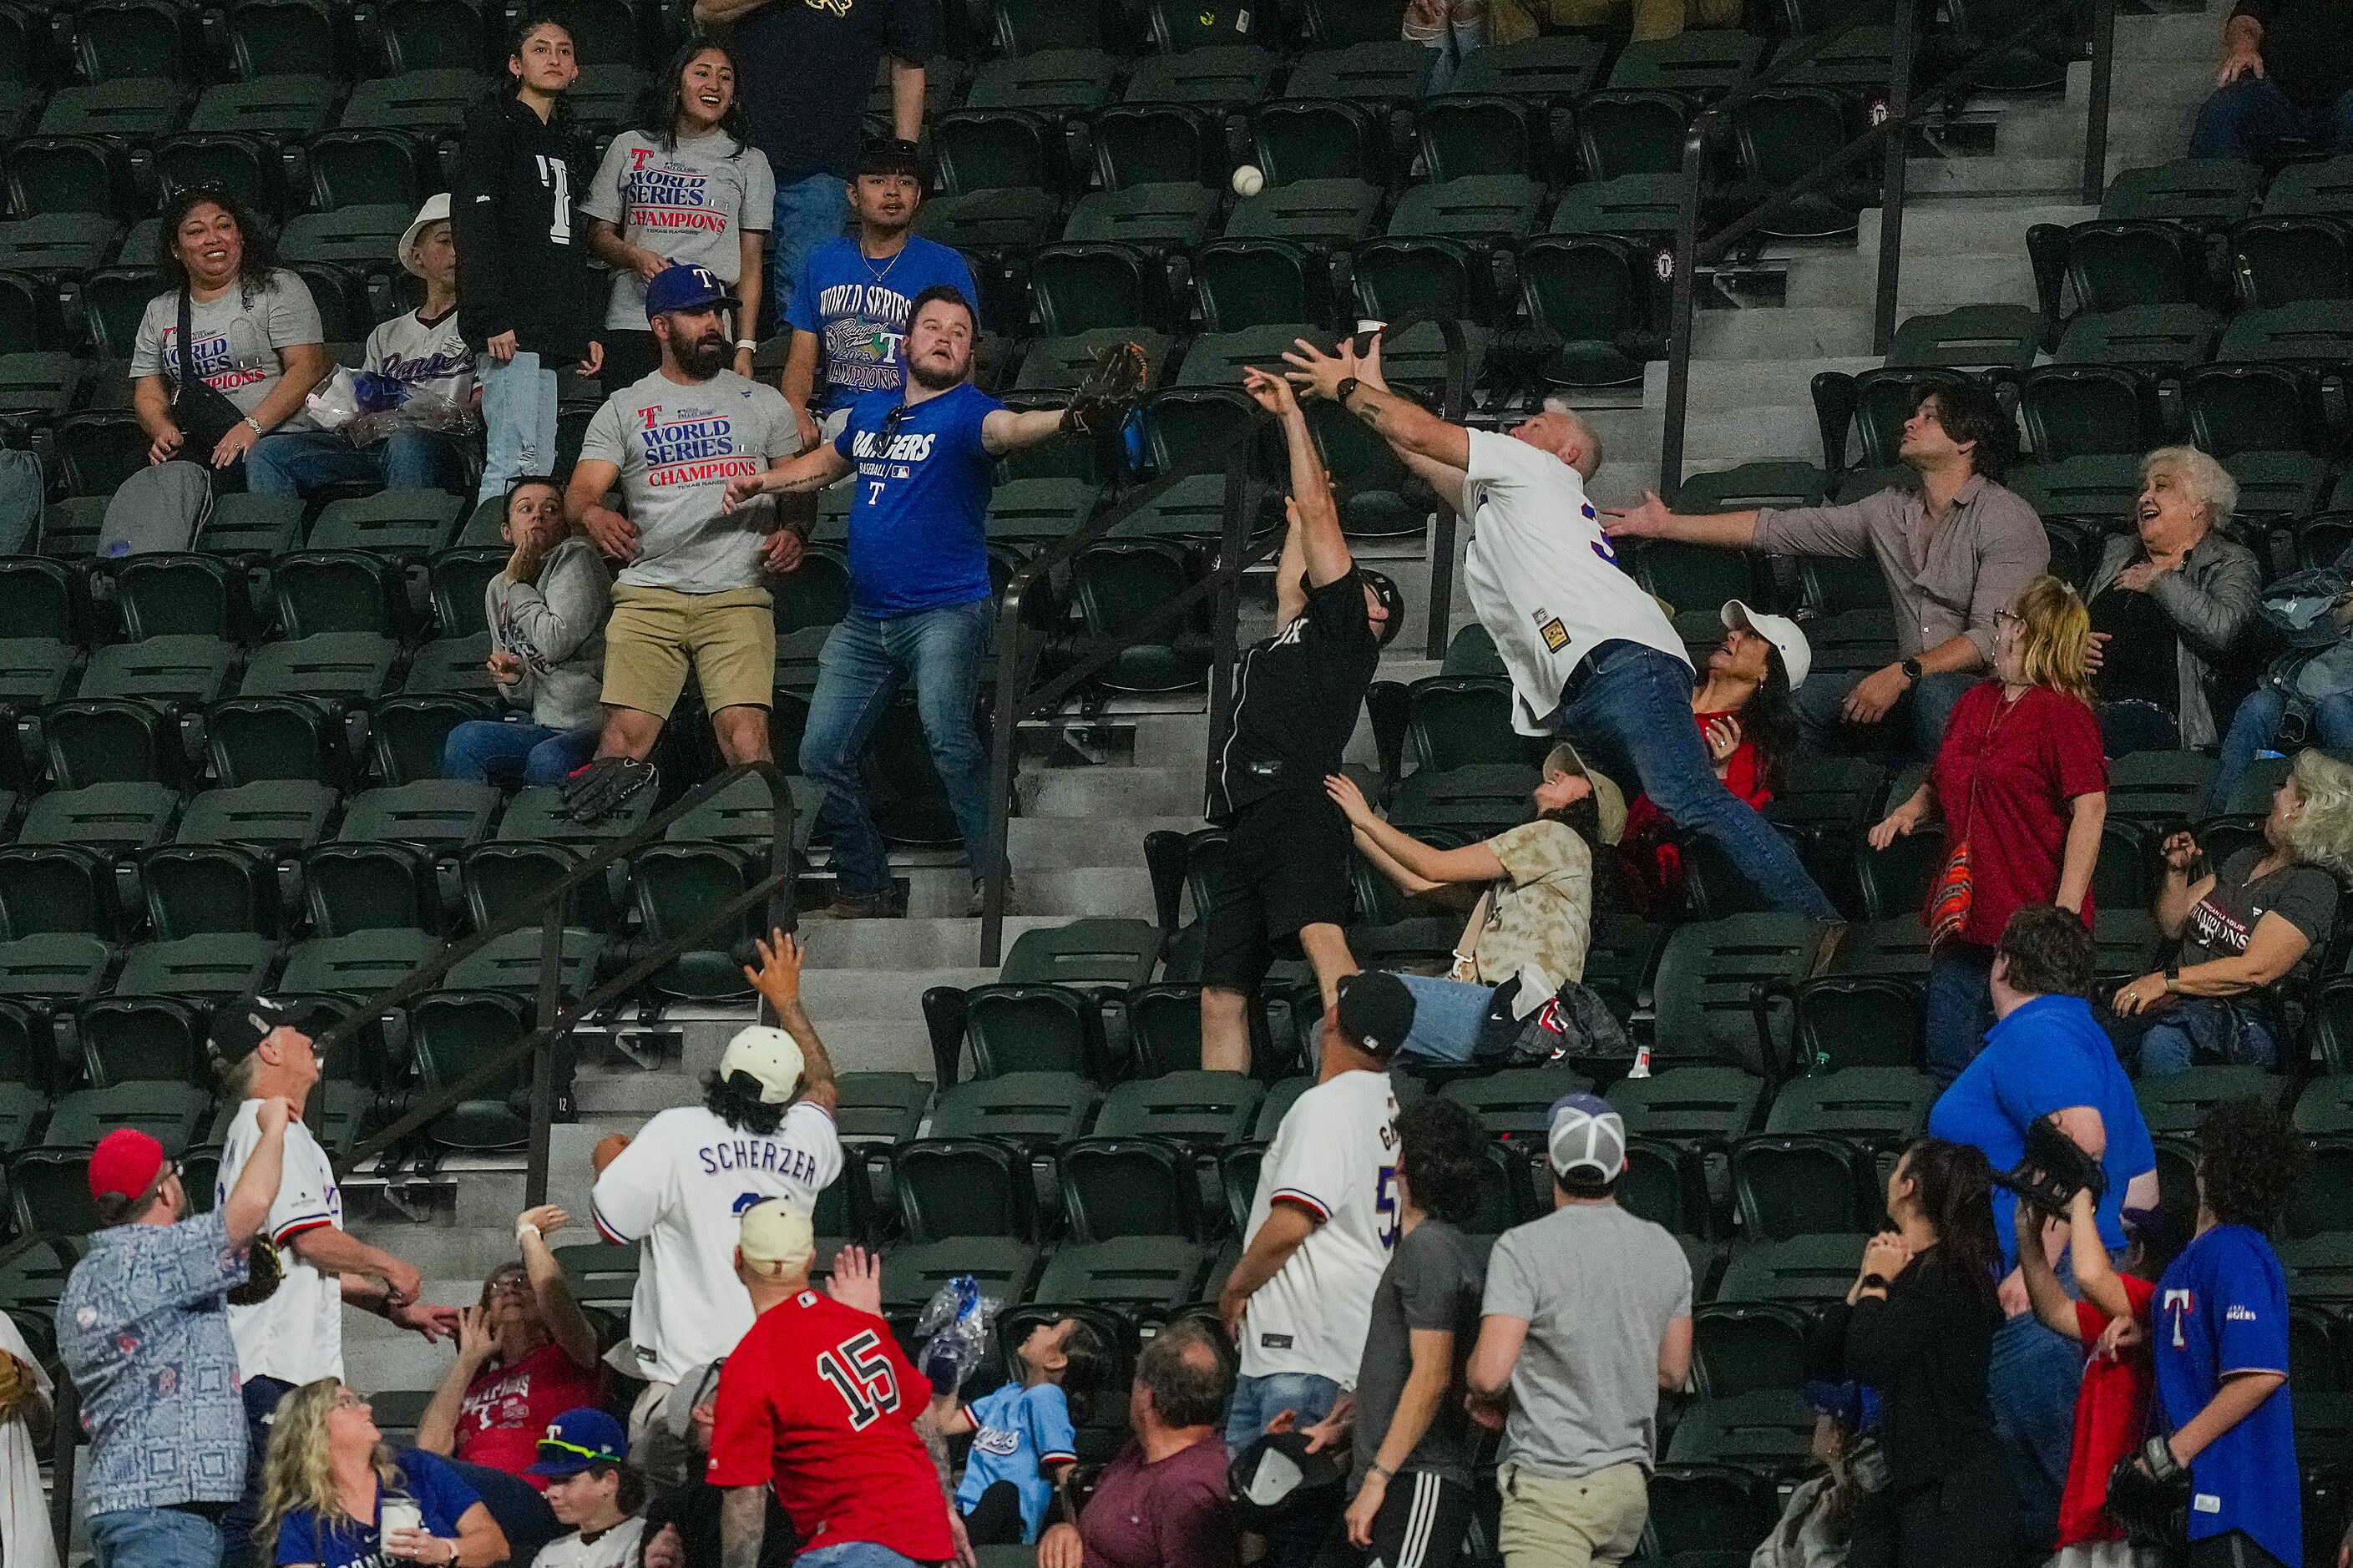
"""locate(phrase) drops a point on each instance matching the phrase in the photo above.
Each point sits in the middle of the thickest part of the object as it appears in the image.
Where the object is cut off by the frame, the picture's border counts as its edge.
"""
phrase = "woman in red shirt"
(525, 1355)
(2020, 784)
(1749, 718)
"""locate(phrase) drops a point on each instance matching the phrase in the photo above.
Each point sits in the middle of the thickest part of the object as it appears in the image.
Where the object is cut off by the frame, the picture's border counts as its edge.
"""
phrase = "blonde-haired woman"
(2022, 785)
(332, 1494)
(2251, 932)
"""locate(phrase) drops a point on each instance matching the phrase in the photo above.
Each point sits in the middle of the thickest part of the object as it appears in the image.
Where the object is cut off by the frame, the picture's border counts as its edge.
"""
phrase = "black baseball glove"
(595, 792)
(264, 1269)
(2053, 1170)
(1109, 391)
(2148, 1494)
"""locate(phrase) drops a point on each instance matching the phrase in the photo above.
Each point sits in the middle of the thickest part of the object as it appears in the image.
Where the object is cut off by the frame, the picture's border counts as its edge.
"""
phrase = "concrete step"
(2166, 39)
(2147, 84)
(1850, 280)
(1738, 385)
(1060, 842)
(2139, 133)
(1942, 231)
(1053, 894)
(1998, 177)
(881, 994)
(1120, 792)
(1724, 438)
(1786, 333)
(875, 946)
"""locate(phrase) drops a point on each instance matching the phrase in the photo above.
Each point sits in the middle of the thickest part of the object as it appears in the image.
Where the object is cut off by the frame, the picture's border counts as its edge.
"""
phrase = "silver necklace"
(878, 277)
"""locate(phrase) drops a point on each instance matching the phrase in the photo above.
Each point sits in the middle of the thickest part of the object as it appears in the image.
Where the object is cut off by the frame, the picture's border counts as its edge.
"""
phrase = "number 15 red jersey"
(820, 1398)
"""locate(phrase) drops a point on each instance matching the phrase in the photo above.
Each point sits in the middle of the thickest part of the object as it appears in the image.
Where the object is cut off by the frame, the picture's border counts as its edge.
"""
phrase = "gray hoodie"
(557, 626)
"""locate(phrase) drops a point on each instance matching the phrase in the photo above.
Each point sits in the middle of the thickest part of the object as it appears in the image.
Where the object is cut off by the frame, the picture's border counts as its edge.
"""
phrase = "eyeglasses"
(347, 1400)
(2001, 616)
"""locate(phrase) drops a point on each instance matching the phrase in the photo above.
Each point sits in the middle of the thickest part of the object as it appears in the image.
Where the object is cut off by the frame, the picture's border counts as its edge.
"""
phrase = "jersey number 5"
(861, 1374)
(1385, 1204)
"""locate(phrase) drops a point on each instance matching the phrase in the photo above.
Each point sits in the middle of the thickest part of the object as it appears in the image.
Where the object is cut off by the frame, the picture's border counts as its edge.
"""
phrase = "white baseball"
(1248, 180)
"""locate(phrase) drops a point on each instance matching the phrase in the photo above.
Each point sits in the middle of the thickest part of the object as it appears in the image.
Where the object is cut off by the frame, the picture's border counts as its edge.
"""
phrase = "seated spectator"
(1161, 1502)
(1747, 716)
(1451, 30)
(2171, 606)
(2306, 695)
(1023, 1443)
(681, 1522)
(2286, 74)
(525, 1354)
(1532, 920)
(416, 390)
(547, 613)
(255, 347)
(2252, 933)
(583, 1460)
(333, 1496)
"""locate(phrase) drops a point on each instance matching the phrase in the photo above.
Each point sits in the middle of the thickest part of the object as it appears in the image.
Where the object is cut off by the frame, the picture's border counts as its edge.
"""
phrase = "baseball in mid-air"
(1248, 180)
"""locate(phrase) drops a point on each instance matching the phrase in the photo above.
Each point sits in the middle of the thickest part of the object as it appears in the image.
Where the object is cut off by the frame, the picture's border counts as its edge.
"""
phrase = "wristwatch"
(249, 419)
(1911, 669)
(1875, 1282)
(2172, 973)
(1346, 390)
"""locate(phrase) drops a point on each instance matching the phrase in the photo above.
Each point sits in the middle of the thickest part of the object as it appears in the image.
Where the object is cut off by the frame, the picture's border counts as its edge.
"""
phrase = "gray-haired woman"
(2171, 603)
(2250, 931)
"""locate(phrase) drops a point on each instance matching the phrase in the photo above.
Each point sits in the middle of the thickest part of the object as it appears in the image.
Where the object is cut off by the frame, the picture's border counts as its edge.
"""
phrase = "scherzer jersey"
(2221, 1309)
(1335, 1156)
(677, 445)
(296, 1334)
(820, 1400)
(1543, 576)
(681, 1187)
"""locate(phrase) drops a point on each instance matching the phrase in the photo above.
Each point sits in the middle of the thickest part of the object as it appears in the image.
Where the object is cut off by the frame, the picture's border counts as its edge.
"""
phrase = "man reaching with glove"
(918, 585)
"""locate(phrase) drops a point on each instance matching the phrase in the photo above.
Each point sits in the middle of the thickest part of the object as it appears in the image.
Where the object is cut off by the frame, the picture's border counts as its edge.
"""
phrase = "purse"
(1952, 894)
(202, 414)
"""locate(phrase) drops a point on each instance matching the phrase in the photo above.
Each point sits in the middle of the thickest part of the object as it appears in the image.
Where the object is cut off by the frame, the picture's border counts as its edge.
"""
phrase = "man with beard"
(919, 587)
(688, 590)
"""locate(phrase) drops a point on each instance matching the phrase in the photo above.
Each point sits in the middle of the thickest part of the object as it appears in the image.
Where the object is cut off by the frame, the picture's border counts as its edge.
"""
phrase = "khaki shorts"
(1592, 1521)
(729, 637)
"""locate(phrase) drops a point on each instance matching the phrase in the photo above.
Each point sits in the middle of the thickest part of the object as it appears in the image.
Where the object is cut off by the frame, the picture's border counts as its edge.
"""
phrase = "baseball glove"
(2148, 1494)
(264, 1269)
(1109, 391)
(2054, 1169)
(595, 792)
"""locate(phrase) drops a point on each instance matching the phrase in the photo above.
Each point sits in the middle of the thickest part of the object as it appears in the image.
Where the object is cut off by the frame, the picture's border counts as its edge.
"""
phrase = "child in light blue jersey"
(1023, 1441)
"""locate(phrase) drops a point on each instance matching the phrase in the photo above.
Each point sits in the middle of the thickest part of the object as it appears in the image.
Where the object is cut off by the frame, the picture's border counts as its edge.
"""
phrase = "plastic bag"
(335, 402)
(955, 1330)
(413, 411)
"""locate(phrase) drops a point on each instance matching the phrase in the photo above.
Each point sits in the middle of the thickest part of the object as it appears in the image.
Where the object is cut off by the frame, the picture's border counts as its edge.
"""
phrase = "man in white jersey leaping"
(1589, 652)
(764, 1129)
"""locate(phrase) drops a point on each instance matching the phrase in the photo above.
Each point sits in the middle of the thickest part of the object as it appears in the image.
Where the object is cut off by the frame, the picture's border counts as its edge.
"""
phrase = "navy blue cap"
(580, 1439)
(682, 288)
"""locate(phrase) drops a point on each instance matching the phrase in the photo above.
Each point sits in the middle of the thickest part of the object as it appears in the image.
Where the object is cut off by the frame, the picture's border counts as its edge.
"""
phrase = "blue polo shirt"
(2223, 1308)
(2048, 1054)
(919, 520)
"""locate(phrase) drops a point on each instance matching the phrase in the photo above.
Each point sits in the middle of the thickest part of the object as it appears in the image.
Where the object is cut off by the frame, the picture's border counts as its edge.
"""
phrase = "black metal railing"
(1026, 616)
(1890, 135)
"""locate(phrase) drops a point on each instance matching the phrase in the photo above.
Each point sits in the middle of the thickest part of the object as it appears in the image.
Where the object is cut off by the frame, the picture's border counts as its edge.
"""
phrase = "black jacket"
(1926, 1349)
(523, 244)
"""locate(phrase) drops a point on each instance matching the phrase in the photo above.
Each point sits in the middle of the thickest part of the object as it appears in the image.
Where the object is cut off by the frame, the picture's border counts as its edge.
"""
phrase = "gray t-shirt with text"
(692, 204)
(236, 339)
(677, 445)
(1433, 1281)
(1597, 1288)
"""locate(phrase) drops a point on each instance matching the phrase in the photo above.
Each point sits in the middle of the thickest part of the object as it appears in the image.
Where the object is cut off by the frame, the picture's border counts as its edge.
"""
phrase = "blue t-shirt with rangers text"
(2221, 1309)
(918, 517)
(1018, 1433)
(858, 309)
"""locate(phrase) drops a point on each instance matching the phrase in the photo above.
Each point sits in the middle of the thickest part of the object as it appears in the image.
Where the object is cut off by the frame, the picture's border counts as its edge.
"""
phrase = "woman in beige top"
(1532, 920)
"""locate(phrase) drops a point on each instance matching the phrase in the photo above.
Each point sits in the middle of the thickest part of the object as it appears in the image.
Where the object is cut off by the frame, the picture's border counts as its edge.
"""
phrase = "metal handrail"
(1018, 643)
(1692, 252)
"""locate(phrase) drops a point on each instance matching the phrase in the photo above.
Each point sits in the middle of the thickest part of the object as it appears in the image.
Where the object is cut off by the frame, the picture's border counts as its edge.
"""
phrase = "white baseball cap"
(1786, 636)
(435, 210)
(769, 1055)
(776, 1238)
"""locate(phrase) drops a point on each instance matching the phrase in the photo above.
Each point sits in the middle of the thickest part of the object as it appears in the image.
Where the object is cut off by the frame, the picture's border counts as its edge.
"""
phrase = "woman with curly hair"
(332, 1494)
(2022, 783)
(2251, 932)
(2221, 1348)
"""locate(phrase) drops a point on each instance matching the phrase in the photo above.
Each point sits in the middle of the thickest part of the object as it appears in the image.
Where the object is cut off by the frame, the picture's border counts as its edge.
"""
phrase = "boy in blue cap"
(583, 1455)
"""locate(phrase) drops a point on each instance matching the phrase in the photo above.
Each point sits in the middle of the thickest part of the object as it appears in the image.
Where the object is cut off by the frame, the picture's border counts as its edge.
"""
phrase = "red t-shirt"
(2027, 759)
(1653, 860)
(820, 1398)
(507, 1407)
(2110, 1420)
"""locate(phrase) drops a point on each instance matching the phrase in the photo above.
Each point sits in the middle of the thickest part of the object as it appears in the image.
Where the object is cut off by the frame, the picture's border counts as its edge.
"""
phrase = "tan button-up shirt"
(1946, 579)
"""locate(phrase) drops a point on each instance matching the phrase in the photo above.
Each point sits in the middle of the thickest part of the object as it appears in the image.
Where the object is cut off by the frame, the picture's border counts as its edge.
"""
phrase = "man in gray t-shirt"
(1588, 1318)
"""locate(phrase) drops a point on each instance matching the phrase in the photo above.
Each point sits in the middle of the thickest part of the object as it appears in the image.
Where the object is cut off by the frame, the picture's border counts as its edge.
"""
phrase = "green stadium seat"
(1156, 217)
(288, 107)
(1329, 214)
(449, 1033)
(1704, 978)
(327, 668)
(537, 814)
(214, 966)
(40, 599)
(360, 887)
(1031, 1108)
(130, 816)
(1039, 511)
(600, 1273)
(1771, 1430)
(1091, 954)
(2318, 1267)
(1060, 364)
(398, 522)
(197, 890)
(133, 109)
(430, 813)
(1114, 1186)
(421, 102)
(1049, 81)
(322, 591)
(1700, 1106)
(511, 963)
(880, 1107)
(674, 884)
(39, 385)
(1513, 1104)
(1593, 291)
(1699, 62)
(912, 1275)
(251, 525)
(273, 814)
(1307, 135)
(1747, 1347)
(1968, 336)
(1218, 76)
(1807, 1270)
(165, 594)
(1216, 360)
(2089, 486)
(2189, 190)
(2278, 484)
(1187, 1106)
(2150, 337)
(951, 1187)
(1786, 1186)
(361, 963)
(990, 220)
(142, 1039)
(58, 887)
(57, 242)
(1141, 1276)
(1873, 1107)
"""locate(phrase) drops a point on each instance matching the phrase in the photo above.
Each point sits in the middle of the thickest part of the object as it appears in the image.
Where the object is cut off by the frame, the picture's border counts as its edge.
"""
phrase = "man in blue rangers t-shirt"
(919, 587)
(2219, 1334)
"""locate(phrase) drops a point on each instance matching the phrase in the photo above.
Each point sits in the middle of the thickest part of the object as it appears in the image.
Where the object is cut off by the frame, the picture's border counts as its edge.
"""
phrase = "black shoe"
(879, 906)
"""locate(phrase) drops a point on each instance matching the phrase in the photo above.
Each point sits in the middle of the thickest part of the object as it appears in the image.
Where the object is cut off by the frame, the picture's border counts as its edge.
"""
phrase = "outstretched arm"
(1005, 431)
(1323, 551)
(778, 982)
(1406, 425)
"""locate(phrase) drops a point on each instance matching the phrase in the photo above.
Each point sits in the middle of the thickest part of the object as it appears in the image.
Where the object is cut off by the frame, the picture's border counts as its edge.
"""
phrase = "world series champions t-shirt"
(677, 445)
(692, 204)
(2221, 1309)
(858, 309)
(237, 337)
(918, 519)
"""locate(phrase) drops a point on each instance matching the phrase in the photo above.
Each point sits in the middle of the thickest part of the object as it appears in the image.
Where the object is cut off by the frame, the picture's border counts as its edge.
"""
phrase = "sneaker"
(879, 906)
(980, 898)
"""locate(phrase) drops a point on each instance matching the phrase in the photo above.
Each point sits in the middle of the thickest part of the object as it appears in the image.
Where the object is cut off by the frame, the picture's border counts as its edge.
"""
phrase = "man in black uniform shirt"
(1296, 696)
(2286, 71)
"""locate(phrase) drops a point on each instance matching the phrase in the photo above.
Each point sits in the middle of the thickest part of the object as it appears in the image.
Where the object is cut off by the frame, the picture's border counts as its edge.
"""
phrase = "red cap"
(125, 1163)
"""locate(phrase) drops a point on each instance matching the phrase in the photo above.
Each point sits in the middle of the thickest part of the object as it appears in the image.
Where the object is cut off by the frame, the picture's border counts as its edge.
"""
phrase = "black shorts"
(1286, 868)
(1420, 1524)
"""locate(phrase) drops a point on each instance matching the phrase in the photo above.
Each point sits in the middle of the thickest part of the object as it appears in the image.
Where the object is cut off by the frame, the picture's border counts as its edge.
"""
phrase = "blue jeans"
(1959, 1007)
(809, 212)
(518, 420)
(1928, 707)
(864, 658)
(2194, 1029)
(2245, 118)
(154, 1538)
(2256, 725)
(2031, 1384)
(487, 750)
(853, 1555)
(1446, 1017)
(1632, 703)
(262, 1396)
(300, 461)
(1296, 1535)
